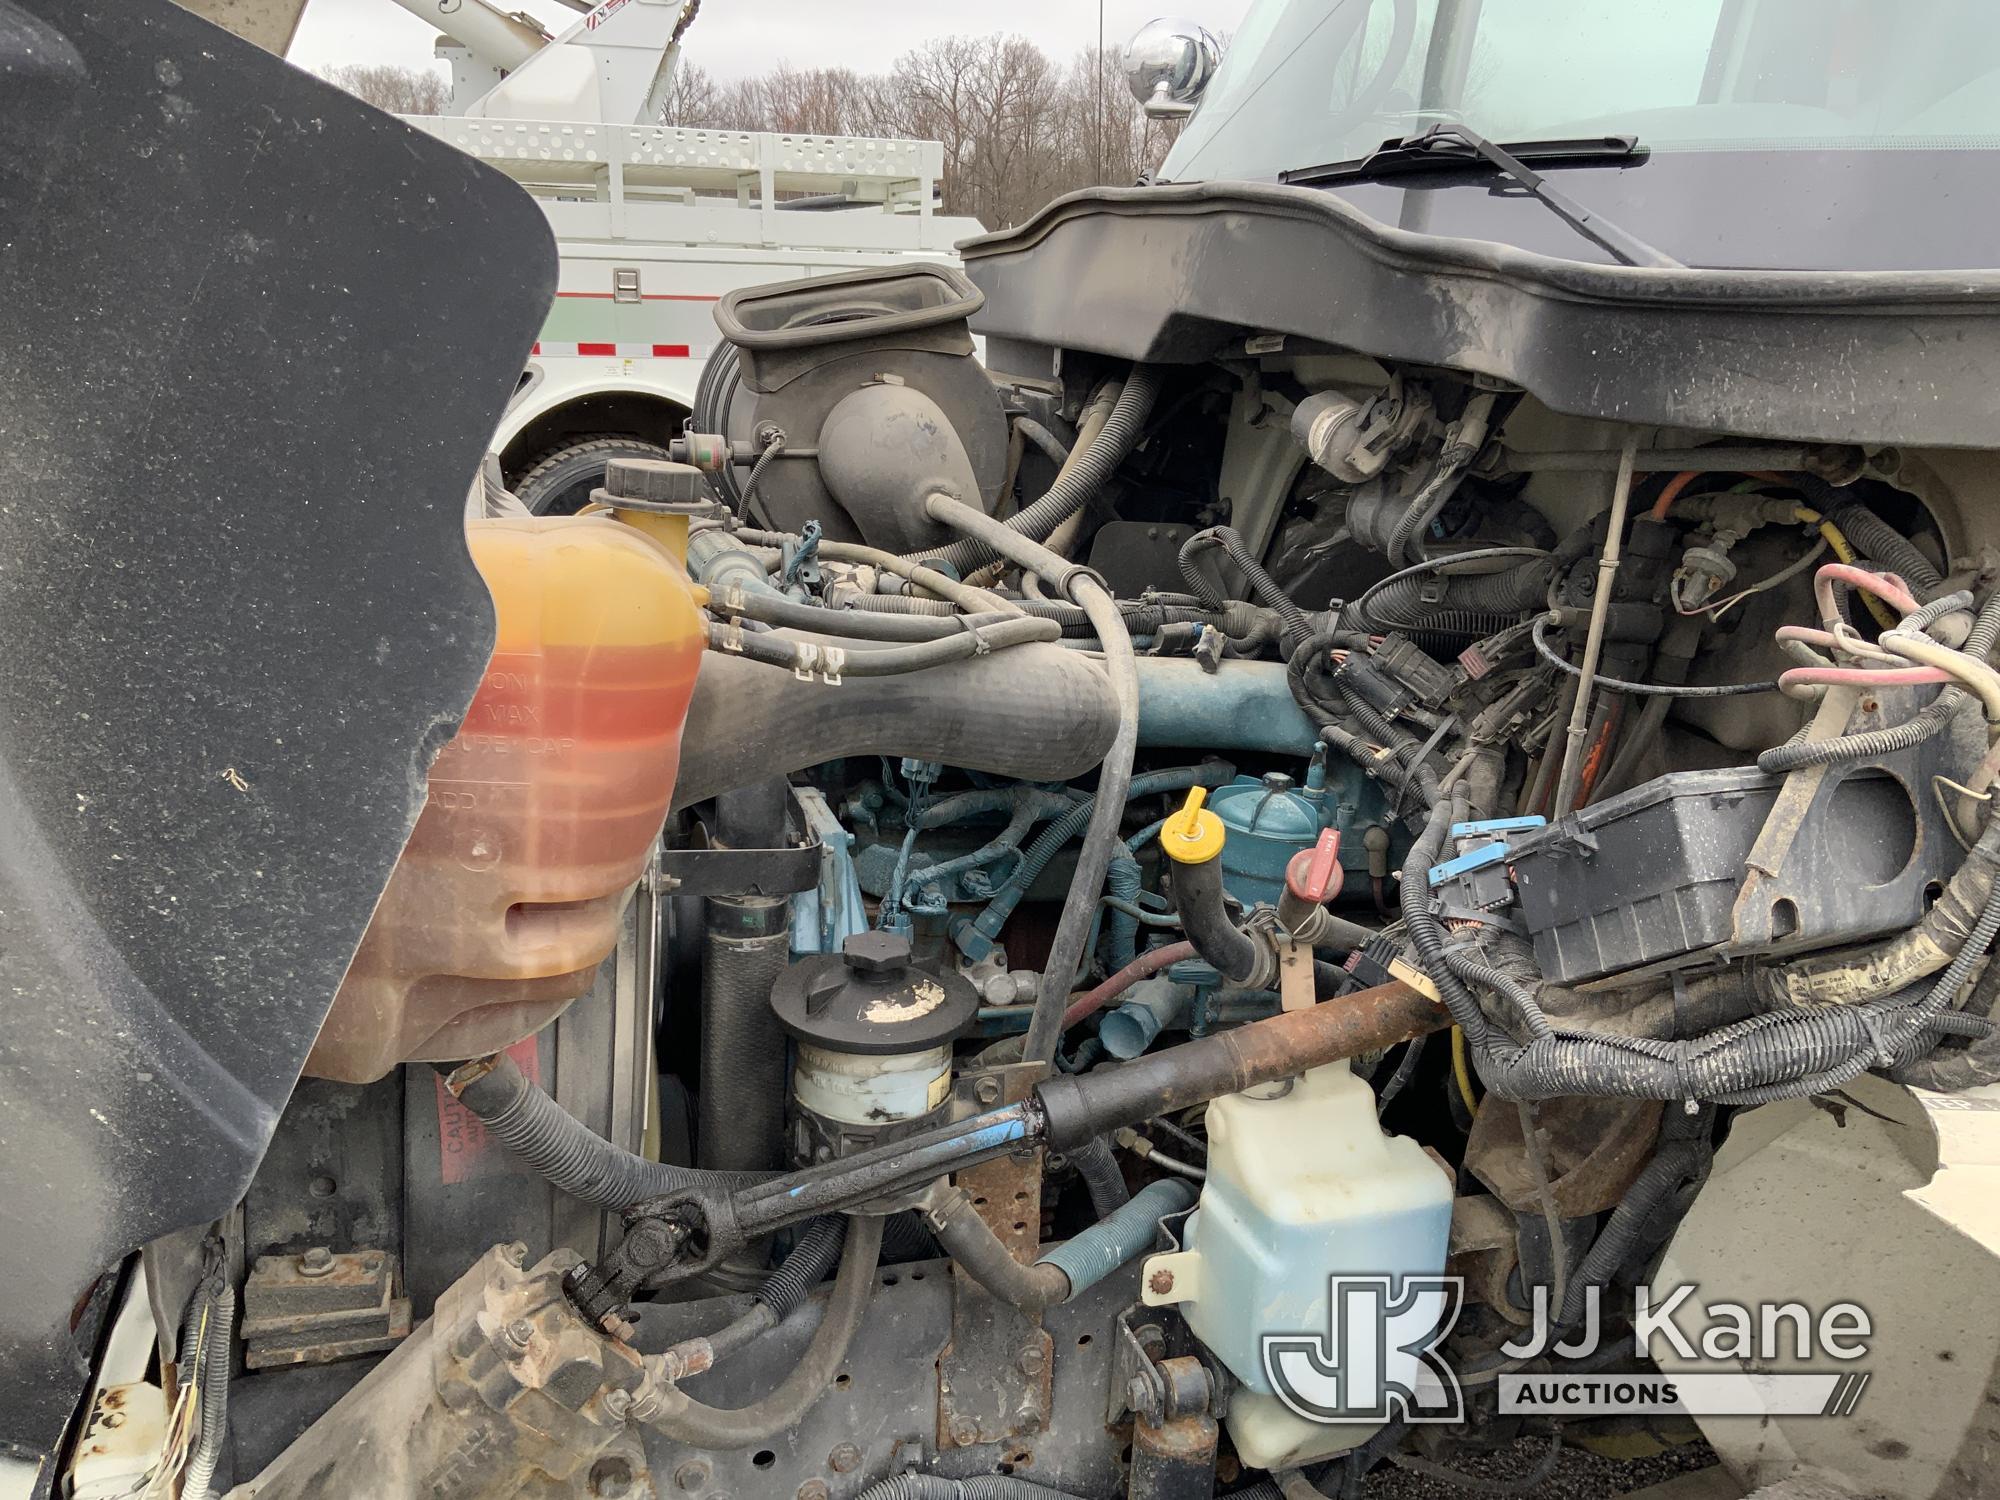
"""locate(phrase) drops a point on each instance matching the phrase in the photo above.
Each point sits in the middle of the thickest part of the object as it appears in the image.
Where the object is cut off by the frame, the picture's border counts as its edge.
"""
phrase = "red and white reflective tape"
(547, 350)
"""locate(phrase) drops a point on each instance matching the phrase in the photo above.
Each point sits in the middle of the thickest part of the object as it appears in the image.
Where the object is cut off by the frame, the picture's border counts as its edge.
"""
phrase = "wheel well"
(603, 414)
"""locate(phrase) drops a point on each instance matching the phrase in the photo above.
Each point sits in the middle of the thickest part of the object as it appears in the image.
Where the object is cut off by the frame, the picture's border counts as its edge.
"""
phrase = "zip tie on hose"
(981, 646)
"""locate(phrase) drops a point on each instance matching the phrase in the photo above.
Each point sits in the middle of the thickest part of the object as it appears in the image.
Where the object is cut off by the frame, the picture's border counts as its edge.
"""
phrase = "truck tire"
(560, 481)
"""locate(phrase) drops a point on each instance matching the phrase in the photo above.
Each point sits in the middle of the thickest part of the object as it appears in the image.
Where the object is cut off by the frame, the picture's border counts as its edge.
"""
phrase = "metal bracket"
(763, 872)
(996, 1376)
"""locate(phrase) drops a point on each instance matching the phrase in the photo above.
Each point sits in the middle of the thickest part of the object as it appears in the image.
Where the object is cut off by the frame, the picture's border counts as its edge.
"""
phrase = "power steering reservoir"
(873, 1031)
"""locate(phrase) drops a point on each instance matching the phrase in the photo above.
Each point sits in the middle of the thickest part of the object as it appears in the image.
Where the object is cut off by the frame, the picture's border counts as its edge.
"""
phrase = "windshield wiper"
(1449, 146)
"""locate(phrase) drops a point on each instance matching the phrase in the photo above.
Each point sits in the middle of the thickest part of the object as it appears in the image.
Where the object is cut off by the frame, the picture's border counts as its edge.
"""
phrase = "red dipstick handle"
(1315, 874)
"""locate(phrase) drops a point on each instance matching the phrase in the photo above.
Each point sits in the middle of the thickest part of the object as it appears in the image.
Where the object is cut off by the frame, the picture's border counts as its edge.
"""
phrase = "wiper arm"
(1434, 149)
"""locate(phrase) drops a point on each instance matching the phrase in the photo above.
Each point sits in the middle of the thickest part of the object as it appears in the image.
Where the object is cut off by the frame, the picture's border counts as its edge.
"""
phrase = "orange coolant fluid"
(541, 811)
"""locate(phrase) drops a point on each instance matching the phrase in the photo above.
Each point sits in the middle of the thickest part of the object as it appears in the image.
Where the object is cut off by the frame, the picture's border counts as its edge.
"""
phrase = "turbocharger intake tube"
(1035, 712)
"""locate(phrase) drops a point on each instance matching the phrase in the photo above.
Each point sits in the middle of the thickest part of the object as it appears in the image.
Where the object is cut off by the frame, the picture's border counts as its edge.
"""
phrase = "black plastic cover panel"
(1182, 273)
(253, 340)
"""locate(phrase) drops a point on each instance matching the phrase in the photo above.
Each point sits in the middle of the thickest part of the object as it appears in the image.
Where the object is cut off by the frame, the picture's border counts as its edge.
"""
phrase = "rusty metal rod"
(1077, 1108)
(1064, 1113)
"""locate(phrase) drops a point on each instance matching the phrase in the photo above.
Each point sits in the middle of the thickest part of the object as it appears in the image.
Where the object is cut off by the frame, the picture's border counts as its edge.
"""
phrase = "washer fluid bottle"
(543, 808)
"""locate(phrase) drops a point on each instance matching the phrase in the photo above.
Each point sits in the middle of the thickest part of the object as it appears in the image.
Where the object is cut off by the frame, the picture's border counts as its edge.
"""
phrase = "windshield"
(1306, 82)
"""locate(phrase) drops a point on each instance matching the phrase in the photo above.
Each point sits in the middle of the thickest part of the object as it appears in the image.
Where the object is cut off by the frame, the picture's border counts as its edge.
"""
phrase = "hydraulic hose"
(1097, 1164)
(1114, 777)
(913, 573)
(1235, 618)
(813, 1254)
(665, 1407)
(1091, 463)
(1034, 432)
(1123, 884)
(831, 660)
(864, 623)
(563, 1149)
(1151, 962)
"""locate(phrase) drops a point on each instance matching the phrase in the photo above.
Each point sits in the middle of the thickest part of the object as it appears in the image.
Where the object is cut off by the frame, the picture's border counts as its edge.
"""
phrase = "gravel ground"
(1579, 1474)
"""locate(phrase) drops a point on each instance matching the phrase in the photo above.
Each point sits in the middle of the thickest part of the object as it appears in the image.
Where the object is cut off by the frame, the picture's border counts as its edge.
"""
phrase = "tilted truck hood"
(253, 338)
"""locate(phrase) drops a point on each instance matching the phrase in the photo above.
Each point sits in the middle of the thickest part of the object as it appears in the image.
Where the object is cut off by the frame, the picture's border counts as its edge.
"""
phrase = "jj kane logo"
(1380, 1356)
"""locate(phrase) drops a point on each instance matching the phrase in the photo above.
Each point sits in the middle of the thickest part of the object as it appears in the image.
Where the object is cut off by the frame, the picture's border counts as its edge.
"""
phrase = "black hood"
(254, 336)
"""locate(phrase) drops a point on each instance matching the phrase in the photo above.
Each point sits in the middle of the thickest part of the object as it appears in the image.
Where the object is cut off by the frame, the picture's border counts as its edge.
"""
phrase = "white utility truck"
(654, 223)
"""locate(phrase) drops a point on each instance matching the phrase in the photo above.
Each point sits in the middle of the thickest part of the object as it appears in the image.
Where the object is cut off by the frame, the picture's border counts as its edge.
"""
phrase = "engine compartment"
(1149, 836)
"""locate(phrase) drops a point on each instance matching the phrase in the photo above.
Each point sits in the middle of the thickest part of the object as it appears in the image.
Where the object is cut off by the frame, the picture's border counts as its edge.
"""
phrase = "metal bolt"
(844, 1459)
(618, 1405)
(1160, 1283)
(964, 1432)
(1137, 1393)
(814, 1489)
(317, 1261)
(515, 1254)
(520, 1333)
(691, 1475)
(986, 1090)
(1032, 1360)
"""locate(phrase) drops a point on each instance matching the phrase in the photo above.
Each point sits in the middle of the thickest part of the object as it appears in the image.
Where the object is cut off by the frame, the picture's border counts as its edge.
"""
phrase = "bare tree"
(401, 91)
(693, 99)
(1018, 128)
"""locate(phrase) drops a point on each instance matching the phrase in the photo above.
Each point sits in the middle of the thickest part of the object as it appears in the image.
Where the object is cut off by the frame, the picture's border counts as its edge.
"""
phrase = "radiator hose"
(1068, 1269)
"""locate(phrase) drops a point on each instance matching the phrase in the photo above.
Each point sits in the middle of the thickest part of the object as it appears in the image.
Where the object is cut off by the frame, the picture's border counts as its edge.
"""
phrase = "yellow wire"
(1844, 550)
(1462, 1071)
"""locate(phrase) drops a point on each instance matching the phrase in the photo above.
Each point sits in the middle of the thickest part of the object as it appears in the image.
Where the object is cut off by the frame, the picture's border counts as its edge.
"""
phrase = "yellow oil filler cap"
(1192, 836)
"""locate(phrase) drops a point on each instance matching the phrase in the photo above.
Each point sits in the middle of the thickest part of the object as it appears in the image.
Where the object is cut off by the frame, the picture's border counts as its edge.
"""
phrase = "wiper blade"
(1449, 146)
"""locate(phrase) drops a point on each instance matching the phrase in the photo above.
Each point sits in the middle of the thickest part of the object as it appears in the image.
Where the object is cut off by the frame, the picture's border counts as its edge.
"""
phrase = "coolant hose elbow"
(1065, 1271)
(1111, 1242)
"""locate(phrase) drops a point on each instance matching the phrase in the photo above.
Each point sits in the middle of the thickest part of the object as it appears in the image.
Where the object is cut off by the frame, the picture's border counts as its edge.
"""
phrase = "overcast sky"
(733, 38)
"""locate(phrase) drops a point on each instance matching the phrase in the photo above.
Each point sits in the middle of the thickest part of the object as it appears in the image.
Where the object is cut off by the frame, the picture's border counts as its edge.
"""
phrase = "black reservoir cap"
(872, 997)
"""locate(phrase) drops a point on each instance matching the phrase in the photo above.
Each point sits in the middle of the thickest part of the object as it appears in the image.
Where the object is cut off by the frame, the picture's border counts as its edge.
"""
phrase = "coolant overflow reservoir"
(541, 810)
(1302, 1187)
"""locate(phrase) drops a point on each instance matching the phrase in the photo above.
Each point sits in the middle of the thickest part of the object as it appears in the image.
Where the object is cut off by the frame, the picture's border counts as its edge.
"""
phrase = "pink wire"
(1884, 586)
(1861, 677)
